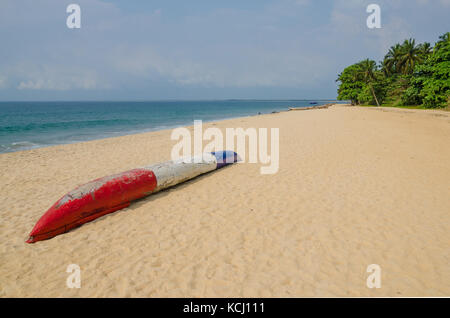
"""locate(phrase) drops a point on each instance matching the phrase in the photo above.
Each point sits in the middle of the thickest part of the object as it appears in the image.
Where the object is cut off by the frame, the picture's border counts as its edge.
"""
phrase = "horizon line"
(172, 100)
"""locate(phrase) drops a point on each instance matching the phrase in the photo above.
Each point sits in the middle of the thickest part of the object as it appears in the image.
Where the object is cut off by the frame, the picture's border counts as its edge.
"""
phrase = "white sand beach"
(355, 186)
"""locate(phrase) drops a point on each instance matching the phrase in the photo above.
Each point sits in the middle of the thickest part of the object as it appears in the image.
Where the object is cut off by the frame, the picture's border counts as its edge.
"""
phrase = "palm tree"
(442, 39)
(445, 37)
(387, 66)
(367, 72)
(425, 49)
(410, 56)
(392, 60)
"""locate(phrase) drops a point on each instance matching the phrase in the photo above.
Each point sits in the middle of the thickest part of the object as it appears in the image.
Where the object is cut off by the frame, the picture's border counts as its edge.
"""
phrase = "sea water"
(28, 125)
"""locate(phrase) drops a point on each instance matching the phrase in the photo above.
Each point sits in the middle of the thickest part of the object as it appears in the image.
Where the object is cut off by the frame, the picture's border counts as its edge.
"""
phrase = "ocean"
(29, 125)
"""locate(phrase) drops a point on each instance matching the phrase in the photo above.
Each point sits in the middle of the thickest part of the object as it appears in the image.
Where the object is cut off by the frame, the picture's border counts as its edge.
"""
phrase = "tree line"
(410, 74)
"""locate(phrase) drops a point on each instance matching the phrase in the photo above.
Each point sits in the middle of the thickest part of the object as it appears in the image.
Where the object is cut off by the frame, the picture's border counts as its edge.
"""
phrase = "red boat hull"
(92, 200)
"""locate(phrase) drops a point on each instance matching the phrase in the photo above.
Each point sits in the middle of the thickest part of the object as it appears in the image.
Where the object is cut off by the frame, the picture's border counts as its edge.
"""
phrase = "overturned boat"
(109, 194)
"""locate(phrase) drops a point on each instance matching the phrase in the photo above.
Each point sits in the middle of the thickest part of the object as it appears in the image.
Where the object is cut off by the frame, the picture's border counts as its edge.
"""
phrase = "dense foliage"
(410, 74)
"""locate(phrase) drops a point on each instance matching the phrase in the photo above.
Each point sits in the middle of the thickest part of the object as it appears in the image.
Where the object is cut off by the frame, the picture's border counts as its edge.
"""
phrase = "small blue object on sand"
(225, 158)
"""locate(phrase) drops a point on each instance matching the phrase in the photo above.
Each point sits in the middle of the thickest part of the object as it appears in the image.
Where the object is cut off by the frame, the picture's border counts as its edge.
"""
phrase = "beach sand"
(356, 186)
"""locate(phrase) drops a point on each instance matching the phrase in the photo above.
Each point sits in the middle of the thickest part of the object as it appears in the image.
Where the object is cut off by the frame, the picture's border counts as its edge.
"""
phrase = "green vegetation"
(411, 75)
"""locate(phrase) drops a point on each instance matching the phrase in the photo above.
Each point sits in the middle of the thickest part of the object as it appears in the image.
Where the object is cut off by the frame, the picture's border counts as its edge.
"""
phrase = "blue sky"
(151, 50)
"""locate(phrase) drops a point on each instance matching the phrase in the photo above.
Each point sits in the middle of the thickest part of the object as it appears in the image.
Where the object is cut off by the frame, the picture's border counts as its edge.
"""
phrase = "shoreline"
(355, 187)
(215, 121)
(139, 133)
(122, 134)
(29, 144)
(127, 134)
(439, 112)
(146, 132)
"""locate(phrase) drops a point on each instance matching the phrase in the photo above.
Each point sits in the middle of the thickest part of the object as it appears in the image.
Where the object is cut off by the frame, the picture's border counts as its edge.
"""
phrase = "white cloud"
(298, 44)
(55, 77)
(257, 68)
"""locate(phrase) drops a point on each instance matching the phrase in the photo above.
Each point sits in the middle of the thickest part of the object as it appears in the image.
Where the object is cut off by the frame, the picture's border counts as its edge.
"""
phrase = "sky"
(199, 49)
